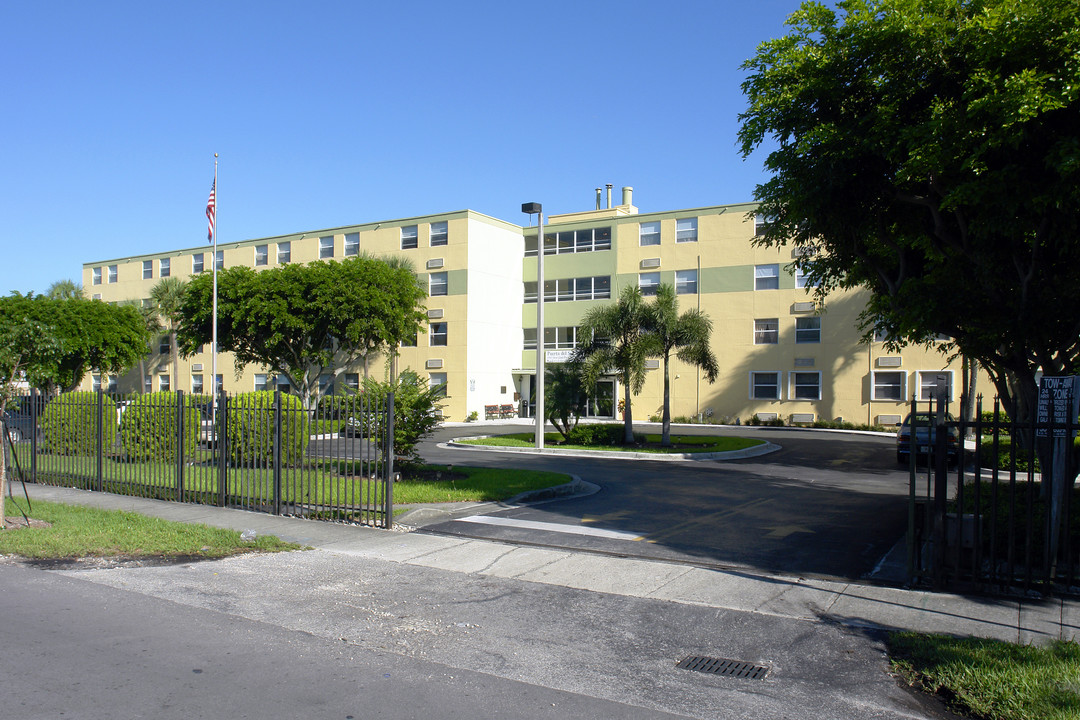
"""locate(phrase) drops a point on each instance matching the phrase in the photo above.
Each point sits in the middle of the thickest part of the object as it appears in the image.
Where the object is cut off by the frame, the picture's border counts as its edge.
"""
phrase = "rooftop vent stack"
(627, 195)
(609, 186)
(597, 198)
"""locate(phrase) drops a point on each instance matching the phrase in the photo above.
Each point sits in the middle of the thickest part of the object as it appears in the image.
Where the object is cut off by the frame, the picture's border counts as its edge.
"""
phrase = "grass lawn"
(992, 679)
(436, 483)
(78, 531)
(681, 443)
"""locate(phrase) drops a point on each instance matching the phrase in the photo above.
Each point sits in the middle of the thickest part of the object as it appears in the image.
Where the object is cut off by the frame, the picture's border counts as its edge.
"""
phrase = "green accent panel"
(457, 282)
(559, 314)
(737, 278)
(573, 265)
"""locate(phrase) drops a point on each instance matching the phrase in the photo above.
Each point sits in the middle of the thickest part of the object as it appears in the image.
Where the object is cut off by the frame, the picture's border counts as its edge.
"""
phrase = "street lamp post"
(538, 210)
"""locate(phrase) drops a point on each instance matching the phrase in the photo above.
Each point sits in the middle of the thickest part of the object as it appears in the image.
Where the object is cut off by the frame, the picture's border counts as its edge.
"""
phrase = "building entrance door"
(602, 402)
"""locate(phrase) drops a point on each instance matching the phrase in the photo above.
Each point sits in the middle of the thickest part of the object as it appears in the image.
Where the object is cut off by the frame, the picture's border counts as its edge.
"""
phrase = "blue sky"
(328, 114)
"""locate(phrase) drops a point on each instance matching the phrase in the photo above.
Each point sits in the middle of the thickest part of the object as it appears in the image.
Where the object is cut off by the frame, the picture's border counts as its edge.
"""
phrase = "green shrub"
(417, 409)
(250, 429)
(148, 427)
(70, 423)
(600, 434)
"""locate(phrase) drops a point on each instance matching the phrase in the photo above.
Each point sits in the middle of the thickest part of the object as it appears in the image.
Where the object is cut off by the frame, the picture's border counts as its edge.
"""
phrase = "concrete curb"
(755, 451)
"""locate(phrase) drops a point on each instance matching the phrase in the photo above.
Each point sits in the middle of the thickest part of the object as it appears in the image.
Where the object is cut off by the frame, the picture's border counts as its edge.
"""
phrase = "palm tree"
(65, 290)
(687, 335)
(168, 297)
(563, 396)
(617, 340)
(153, 327)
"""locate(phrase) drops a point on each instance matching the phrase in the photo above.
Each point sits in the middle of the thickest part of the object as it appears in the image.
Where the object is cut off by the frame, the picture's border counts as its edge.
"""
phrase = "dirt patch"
(17, 522)
(113, 561)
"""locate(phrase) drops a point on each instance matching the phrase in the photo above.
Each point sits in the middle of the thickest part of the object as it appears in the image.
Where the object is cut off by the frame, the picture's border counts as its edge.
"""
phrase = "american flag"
(211, 210)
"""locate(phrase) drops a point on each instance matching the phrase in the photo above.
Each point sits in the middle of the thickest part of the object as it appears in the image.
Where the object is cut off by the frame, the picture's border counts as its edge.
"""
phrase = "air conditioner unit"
(652, 364)
(434, 263)
(433, 364)
(888, 362)
(888, 419)
(804, 362)
(803, 307)
(765, 417)
(435, 313)
(801, 417)
(650, 263)
(197, 367)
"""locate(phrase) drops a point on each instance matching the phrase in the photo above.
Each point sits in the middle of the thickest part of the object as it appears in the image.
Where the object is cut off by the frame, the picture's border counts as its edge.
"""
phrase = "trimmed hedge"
(600, 434)
(69, 422)
(250, 427)
(148, 427)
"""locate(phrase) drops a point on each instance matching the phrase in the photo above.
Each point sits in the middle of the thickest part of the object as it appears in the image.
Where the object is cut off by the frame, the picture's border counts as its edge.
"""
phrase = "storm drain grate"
(719, 666)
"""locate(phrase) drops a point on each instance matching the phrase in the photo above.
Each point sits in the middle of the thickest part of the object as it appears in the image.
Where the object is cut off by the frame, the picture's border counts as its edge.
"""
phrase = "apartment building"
(781, 355)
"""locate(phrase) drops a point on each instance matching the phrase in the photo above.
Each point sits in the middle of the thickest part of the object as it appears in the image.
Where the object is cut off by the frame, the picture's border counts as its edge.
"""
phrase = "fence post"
(388, 496)
(180, 445)
(277, 451)
(34, 434)
(100, 440)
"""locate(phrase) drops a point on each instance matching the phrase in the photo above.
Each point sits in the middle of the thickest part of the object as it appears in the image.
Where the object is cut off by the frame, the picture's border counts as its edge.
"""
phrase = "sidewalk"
(1011, 619)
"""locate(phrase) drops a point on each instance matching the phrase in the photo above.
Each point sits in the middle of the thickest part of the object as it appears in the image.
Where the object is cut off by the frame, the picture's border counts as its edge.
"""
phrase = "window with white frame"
(808, 330)
(567, 289)
(163, 345)
(352, 244)
(147, 269)
(352, 382)
(219, 259)
(686, 230)
(112, 386)
(760, 224)
(114, 273)
(766, 331)
(765, 385)
(686, 282)
(571, 241)
(263, 382)
(437, 380)
(649, 233)
(438, 336)
(95, 276)
(438, 284)
(326, 384)
(888, 385)
(326, 247)
(284, 252)
(95, 382)
(164, 267)
(438, 233)
(930, 381)
(408, 237)
(262, 255)
(163, 383)
(805, 385)
(197, 384)
(196, 263)
(555, 338)
(280, 383)
(648, 282)
(801, 280)
(767, 277)
(409, 340)
(148, 383)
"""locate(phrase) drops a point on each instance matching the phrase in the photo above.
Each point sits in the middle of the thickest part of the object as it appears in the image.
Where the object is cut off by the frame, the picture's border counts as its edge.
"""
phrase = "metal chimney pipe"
(609, 186)
(597, 198)
(627, 195)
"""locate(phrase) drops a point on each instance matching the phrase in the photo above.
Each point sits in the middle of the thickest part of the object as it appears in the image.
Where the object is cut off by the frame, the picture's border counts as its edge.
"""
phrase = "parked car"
(925, 437)
(20, 426)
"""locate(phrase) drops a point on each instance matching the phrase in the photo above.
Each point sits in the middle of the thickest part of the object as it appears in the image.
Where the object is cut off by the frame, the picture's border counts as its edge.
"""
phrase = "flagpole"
(213, 341)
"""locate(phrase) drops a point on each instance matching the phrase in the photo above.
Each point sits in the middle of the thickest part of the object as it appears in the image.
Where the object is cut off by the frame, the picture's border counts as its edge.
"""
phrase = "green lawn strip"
(478, 484)
(992, 679)
(685, 443)
(78, 531)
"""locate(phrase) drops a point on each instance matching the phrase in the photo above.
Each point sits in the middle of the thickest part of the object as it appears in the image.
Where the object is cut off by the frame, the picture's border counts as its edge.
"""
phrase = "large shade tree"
(305, 321)
(687, 336)
(929, 151)
(617, 341)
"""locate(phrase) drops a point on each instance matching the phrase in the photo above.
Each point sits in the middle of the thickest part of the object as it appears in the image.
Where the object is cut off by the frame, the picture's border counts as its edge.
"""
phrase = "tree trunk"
(3, 468)
(174, 352)
(628, 418)
(665, 438)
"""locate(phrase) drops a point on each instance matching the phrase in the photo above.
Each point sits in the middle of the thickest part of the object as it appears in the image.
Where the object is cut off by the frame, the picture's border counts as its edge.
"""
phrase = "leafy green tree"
(617, 341)
(65, 290)
(416, 409)
(687, 335)
(304, 321)
(564, 393)
(929, 151)
(167, 297)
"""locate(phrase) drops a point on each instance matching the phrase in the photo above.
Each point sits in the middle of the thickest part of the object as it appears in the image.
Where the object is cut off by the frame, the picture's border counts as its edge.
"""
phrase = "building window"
(566, 289)
(648, 282)
(649, 233)
(808, 330)
(95, 296)
(147, 269)
(114, 273)
(760, 225)
(95, 274)
(196, 263)
(196, 385)
(408, 237)
(148, 383)
(438, 334)
(95, 382)
(163, 345)
(932, 381)
(767, 331)
(219, 259)
(437, 284)
(686, 230)
(352, 382)
(112, 386)
(262, 382)
(801, 280)
(530, 338)
(262, 255)
(164, 267)
(571, 241)
(765, 385)
(326, 384)
(352, 244)
(326, 247)
(284, 252)
(438, 380)
(409, 341)
(686, 282)
(438, 233)
(281, 383)
(163, 383)
(767, 277)
(805, 385)
(888, 385)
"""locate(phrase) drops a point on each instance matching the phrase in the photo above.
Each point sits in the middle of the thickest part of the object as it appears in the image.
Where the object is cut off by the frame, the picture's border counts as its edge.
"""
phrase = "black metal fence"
(254, 451)
(981, 514)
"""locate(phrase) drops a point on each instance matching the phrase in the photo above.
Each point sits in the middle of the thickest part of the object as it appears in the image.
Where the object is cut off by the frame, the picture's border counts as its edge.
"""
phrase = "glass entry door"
(602, 402)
